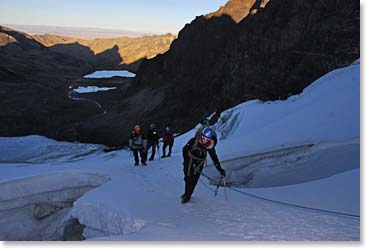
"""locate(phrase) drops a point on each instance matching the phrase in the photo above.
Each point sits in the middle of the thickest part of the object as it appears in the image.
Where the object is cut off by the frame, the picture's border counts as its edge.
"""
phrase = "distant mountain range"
(36, 72)
(76, 32)
(248, 49)
(131, 50)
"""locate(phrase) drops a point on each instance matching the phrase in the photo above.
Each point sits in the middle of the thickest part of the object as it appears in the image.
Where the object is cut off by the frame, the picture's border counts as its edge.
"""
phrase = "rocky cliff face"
(238, 9)
(272, 53)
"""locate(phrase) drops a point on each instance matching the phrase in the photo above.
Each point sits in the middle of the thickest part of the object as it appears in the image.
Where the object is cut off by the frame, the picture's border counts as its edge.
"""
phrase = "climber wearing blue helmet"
(194, 154)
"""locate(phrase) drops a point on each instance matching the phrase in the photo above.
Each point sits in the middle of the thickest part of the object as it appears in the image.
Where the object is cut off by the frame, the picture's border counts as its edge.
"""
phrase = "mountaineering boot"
(163, 156)
(136, 163)
(144, 163)
(150, 159)
(185, 199)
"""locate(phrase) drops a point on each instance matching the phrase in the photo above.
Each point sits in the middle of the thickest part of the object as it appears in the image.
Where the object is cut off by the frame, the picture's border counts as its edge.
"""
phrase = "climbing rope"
(288, 204)
(206, 186)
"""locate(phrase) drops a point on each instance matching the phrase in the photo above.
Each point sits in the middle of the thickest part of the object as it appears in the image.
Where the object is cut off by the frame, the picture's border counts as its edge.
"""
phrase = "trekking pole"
(225, 190)
(159, 154)
(217, 188)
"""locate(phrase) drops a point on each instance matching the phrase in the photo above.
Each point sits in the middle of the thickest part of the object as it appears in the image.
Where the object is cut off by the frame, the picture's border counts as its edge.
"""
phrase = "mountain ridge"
(238, 9)
(131, 50)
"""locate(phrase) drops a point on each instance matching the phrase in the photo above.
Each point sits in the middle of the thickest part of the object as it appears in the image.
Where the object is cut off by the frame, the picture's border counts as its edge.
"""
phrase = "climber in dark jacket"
(138, 144)
(153, 140)
(168, 140)
(194, 154)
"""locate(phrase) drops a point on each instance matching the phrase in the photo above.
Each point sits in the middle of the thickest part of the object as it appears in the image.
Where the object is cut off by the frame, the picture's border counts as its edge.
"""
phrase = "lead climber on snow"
(138, 144)
(194, 154)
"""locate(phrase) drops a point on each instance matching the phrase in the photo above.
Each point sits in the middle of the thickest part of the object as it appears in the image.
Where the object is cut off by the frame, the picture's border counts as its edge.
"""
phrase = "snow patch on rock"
(109, 74)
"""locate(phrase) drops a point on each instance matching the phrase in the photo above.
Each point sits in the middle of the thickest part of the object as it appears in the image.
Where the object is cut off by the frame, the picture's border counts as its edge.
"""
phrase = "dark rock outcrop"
(33, 87)
(109, 58)
(275, 52)
(73, 231)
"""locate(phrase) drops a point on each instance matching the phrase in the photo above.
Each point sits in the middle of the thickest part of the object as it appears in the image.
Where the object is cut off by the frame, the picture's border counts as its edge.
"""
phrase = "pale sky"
(160, 16)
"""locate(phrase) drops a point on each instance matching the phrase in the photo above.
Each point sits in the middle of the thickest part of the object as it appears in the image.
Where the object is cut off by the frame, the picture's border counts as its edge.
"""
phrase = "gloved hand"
(222, 172)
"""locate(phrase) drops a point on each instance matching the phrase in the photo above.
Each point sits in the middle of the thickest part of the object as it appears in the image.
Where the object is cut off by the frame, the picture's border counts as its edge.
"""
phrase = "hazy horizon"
(76, 32)
(139, 16)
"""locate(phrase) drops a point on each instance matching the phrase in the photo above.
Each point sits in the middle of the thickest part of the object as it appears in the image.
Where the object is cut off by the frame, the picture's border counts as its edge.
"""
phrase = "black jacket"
(197, 152)
(152, 136)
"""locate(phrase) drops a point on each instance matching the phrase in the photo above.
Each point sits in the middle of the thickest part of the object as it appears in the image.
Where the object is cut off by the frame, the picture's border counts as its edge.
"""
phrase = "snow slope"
(303, 151)
(309, 194)
(37, 149)
(142, 203)
(327, 110)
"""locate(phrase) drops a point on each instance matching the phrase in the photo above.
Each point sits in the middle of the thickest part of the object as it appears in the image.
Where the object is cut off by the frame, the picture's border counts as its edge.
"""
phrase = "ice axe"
(225, 190)
(217, 188)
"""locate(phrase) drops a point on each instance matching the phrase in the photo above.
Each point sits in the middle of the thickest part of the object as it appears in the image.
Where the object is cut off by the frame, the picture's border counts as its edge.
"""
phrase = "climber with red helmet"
(138, 144)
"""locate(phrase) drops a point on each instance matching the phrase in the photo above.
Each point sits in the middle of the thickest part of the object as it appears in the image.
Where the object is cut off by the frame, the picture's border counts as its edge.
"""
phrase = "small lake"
(92, 89)
(109, 74)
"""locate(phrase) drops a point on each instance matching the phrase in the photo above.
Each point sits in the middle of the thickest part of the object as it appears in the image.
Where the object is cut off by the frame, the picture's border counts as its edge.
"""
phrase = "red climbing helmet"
(137, 128)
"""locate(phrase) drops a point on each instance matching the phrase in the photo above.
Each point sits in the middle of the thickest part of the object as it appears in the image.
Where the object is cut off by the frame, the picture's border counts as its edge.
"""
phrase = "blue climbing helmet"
(152, 126)
(208, 138)
(208, 133)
